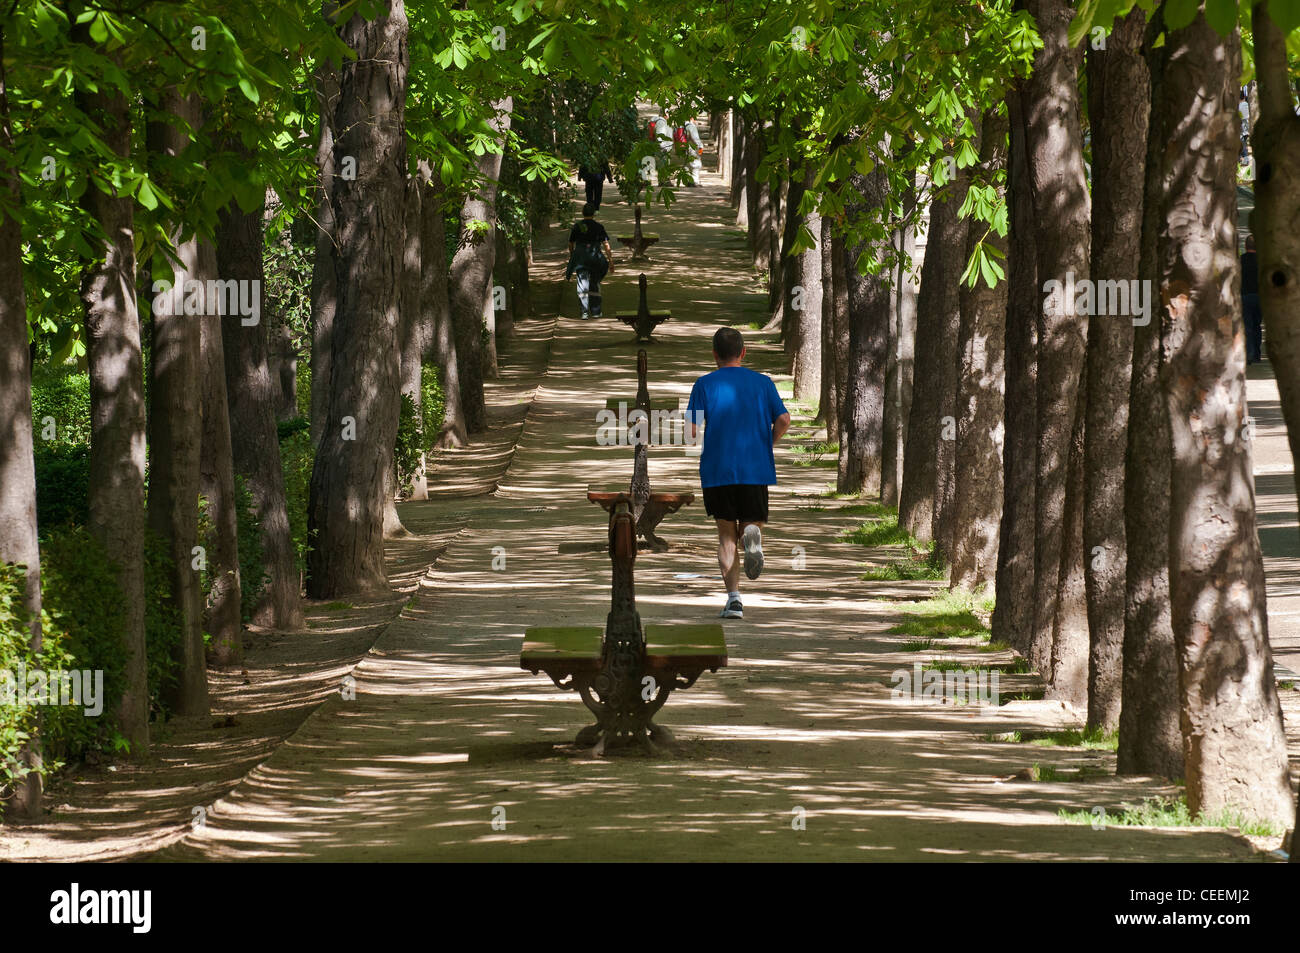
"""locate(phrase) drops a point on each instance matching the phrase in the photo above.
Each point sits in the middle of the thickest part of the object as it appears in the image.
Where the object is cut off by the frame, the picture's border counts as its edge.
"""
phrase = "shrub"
(61, 397)
(410, 442)
(62, 485)
(17, 722)
(433, 404)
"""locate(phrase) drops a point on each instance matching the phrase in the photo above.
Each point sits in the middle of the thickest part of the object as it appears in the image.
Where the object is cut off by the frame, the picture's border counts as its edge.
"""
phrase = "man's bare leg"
(728, 537)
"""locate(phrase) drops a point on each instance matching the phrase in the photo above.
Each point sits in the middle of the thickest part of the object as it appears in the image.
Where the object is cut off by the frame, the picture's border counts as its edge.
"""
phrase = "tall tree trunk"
(828, 406)
(222, 619)
(901, 355)
(1232, 720)
(117, 417)
(1275, 139)
(1119, 93)
(284, 371)
(839, 331)
(324, 293)
(471, 277)
(175, 432)
(355, 456)
(415, 331)
(786, 276)
(863, 418)
(434, 278)
(802, 297)
(253, 396)
(741, 185)
(1060, 196)
(1150, 736)
(760, 213)
(977, 487)
(931, 425)
(1013, 611)
(18, 542)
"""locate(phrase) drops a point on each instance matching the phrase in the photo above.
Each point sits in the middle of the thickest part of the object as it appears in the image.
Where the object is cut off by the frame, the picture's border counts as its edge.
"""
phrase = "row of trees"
(149, 176)
(1056, 398)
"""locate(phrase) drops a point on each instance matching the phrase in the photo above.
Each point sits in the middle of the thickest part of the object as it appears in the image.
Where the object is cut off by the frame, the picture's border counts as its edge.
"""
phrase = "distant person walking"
(595, 177)
(1251, 311)
(743, 418)
(586, 260)
(696, 148)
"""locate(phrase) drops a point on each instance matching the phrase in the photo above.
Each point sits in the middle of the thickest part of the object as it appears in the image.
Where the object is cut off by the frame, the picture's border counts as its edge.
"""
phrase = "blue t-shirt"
(738, 407)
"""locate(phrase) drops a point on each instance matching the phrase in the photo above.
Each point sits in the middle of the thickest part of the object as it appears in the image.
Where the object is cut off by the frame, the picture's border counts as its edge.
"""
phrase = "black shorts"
(739, 502)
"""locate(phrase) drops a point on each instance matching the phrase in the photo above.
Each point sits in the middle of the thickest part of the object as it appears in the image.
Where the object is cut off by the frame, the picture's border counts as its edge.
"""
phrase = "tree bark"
(18, 540)
(829, 402)
(1275, 141)
(760, 213)
(355, 456)
(977, 468)
(117, 439)
(901, 356)
(253, 396)
(787, 274)
(416, 333)
(863, 418)
(222, 619)
(434, 279)
(324, 293)
(175, 432)
(802, 297)
(1061, 206)
(1118, 107)
(742, 188)
(1013, 611)
(471, 277)
(1150, 736)
(1232, 721)
(927, 455)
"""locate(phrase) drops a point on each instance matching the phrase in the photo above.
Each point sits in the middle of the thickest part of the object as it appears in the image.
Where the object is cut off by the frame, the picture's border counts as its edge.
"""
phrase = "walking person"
(743, 418)
(586, 260)
(1251, 311)
(696, 148)
(594, 177)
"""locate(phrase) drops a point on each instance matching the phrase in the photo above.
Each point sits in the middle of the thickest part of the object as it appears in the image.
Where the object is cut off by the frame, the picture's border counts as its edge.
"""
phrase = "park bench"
(643, 320)
(625, 671)
(638, 241)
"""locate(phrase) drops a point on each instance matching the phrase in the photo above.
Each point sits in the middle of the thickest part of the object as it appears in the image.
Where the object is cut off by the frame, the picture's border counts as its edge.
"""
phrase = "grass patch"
(818, 453)
(335, 606)
(918, 645)
(1093, 739)
(1173, 812)
(874, 510)
(996, 647)
(884, 532)
(948, 615)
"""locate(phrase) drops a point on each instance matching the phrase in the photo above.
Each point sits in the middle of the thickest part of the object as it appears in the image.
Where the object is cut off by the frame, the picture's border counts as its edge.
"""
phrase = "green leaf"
(1285, 14)
(146, 195)
(1222, 15)
(1180, 13)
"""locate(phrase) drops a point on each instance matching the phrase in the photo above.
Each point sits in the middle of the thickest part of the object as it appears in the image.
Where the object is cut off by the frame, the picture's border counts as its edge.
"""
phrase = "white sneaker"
(753, 540)
(732, 610)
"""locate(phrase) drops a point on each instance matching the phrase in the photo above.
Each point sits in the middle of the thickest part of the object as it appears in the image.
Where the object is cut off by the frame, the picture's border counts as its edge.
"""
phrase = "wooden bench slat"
(578, 647)
(678, 646)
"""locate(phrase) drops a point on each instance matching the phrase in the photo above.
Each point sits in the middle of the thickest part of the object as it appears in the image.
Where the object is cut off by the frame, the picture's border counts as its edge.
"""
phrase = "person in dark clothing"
(595, 178)
(586, 239)
(1251, 312)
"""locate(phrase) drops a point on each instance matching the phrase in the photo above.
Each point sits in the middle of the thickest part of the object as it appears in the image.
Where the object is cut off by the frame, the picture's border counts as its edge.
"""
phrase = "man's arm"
(780, 426)
(609, 255)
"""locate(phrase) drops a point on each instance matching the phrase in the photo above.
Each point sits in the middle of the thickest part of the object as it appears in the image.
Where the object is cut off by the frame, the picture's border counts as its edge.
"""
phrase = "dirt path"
(446, 734)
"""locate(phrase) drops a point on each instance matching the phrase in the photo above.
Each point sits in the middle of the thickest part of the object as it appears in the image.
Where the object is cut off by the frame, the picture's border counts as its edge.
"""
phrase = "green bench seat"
(685, 647)
(565, 649)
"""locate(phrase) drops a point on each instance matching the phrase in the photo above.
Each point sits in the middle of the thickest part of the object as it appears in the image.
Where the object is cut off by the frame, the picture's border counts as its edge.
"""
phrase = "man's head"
(1250, 243)
(728, 346)
(588, 210)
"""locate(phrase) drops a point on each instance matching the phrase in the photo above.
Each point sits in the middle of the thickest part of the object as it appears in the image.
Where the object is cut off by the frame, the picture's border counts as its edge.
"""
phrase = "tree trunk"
(284, 371)
(742, 187)
(829, 402)
(252, 395)
(1150, 737)
(355, 457)
(760, 213)
(1232, 720)
(931, 428)
(1013, 611)
(117, 440)
(324, 294)
(434, 278)
(977, 487)
(217, 484)
(863, 418)
(175, 432)
(18, 542)
(471, 278)
(786, 276)
(1118, 107)
(839, 332)
(901, 357)
(415, 333)
(1060, 195)
(1275, 141)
